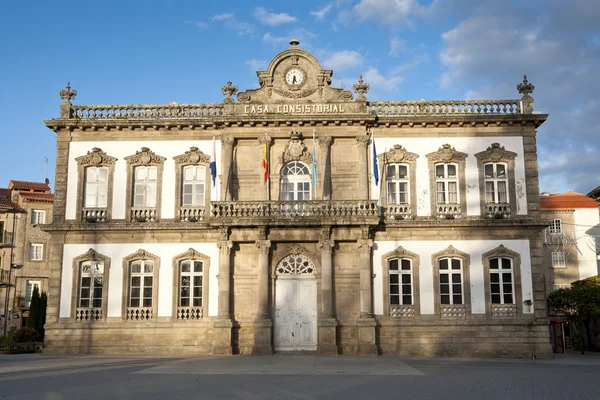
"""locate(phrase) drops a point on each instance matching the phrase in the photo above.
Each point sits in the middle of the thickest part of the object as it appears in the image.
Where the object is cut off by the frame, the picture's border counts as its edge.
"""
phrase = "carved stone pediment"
(191, 254)
(502, 251)
(96, 157)
(296, 150)
(192, 156)
(93, 255)
(141, 254)
(450, 251)
(397, 154)
(446, 154)
(495, 153)
(401, 252)
(145, 157)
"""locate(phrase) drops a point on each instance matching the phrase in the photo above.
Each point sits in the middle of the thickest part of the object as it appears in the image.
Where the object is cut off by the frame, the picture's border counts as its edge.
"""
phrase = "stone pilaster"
(223, 324)
(363, 167)
(57, 241)
(366, 323)
(227, 143)
(327, 322)
(60, 178)
(263, 324)
(324, 162)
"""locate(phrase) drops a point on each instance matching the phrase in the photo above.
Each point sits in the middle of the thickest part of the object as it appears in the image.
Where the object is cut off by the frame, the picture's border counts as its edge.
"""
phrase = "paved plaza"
(51, 377)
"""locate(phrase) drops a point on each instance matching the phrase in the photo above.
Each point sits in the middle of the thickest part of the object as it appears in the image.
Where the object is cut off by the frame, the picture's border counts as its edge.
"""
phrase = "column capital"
(225, 246)
(364, 245)
(326, 245)
(362, 141)
(263, 246)
(227, 141)
(324, 141)
(263, 139)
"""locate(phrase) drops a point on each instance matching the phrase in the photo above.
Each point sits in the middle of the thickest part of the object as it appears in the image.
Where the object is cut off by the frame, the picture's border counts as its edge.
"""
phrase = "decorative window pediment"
(294, 251)
(446, 154)
(141, 254)
(495, 153)
(397, 154)
(191, 254)
(145, 157)
(502, 251)
(96, 157)
(192, 156)
(401, 252)
(450, 251)
(92, 255)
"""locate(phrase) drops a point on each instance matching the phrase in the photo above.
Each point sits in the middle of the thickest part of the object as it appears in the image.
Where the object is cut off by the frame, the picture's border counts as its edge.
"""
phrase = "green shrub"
(25, 335)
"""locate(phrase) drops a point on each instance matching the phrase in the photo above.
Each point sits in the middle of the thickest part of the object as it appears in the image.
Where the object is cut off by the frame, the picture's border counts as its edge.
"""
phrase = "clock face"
(294, 77)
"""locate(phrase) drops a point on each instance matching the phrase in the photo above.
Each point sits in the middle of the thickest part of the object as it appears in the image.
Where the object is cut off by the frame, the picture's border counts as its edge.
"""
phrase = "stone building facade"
(422, 239)
(25, 207)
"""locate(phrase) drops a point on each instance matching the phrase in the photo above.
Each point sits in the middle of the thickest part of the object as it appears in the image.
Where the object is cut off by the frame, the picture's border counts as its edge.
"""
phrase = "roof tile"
(568, 200)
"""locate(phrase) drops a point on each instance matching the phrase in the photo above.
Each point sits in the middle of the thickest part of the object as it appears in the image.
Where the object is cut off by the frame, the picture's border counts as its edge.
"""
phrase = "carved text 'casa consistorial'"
(294, 109)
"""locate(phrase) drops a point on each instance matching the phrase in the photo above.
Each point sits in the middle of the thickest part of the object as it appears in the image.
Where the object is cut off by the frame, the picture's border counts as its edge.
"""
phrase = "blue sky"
(120, 52)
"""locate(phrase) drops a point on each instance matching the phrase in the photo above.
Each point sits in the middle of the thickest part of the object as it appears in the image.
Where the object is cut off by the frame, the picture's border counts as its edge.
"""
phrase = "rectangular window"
(446, 183)
(558, 259)
(496, 183)
(194, 178)
(191, 277)
(29, 291)
(397, 184)
(91, 283)
(36, 252)
(144, 189)
(502, 281)
(556, 226)
(96, 187)
(450, 281)
(38, 217)
(141, 283)
(400, 275)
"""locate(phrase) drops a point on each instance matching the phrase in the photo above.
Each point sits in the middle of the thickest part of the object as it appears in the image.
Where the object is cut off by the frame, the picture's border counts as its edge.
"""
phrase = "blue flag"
(213, 164)
(375, 165)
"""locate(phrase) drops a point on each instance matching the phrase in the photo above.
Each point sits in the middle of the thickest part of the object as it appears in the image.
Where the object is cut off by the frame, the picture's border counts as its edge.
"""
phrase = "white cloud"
(222, 17)
(414, 63)
(268, 38)
(391, 11)
(345, 59)
(396, 46)
(376, 80)
(197, 24)
(257, 65)
(272, 19)
(320, 14)
(230, 21)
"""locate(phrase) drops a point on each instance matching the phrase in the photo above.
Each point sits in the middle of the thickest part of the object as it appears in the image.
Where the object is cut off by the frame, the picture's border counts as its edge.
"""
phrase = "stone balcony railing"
(297, 211)
(453, 311)
(401, 312)
(497, 210)
(503, 310)
(88, 314)
(398, 211)
(142, 214)
(192, 214)
(94, 214)
(139, 313)
(189, 313)
(147, 111)
(6, 239)
(448, 211)
(445, 107)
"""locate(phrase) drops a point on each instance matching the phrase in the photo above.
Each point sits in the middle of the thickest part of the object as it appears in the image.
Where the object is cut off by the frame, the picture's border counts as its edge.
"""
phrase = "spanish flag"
(265, 162)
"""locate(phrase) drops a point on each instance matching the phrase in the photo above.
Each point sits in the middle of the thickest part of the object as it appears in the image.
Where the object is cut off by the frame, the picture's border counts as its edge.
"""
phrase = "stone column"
(324, 186)
(366, 323)
(327, 322)
(263, 322)
(226, 162)
(223, 324)
(363, 167)
(266, 195)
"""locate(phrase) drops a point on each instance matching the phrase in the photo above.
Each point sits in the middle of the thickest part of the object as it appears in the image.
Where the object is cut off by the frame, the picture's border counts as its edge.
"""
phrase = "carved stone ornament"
(225, 246)
(142, 254)
(145, 157)
(191, 254)
(192, 156)
(67, 94)
(227, 141)
(450, 251)
(496, 153)
(401, 252)
(93, 255)
(229, 91)
(324, 141)
(263, 246)
(295, 95)
(326, 245)
(96, 157)
(296, 150)
(361, 88)
(446, 154)
(397, 154)
(363, 140)
(364, 245)
(525, 89)
(502, 251)
(294, 249)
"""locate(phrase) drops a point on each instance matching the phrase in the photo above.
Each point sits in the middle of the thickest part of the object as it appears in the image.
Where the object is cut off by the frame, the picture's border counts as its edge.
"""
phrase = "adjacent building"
(298, 217)
(24, 208)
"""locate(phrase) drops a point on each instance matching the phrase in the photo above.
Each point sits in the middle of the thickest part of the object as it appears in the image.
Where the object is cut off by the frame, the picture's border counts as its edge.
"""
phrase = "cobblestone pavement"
(48, 377)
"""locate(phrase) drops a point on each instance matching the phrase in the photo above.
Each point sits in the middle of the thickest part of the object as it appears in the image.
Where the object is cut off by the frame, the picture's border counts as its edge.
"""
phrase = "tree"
(579, 303)
(42, 315)
(34, 309)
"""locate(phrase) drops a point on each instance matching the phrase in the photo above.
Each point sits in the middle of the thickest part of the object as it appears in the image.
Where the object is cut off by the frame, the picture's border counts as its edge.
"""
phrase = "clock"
(294, 77)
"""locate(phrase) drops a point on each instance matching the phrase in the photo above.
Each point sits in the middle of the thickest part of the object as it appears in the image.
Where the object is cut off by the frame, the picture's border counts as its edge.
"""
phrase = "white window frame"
(191, 274)
(555, 226)
(401, 273)
(446, 180)
(96, 274)
(501, 271)
(450, 273)
(30, 285)
(197, 186)
(559, 259)
(97, 186)
(145, 189)
(36, 251)
(142, 275)
(396, 182)
(295, 182)
(38, 217)
(495, 181)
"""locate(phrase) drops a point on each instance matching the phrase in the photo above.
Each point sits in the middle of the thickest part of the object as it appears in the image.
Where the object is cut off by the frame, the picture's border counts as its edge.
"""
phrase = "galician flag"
(213, 164)
(265, 162)
(375, 165)
(314, 163)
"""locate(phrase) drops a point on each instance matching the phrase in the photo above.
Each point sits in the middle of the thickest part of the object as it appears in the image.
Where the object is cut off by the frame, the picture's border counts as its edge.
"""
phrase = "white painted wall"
(120, 150)
(587, 228)
(116, 252)
(468, 145)
(475, 249)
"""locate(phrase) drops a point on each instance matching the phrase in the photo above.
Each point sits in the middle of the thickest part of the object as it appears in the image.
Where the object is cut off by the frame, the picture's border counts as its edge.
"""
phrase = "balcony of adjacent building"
(6, 239)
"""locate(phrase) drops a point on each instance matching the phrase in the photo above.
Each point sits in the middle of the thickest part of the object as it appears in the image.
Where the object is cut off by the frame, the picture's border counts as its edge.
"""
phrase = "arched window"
(140, 280)
(141, 283)
(295, 182)
(191, 279)
(91, 284)
(502, 282)
(401, 285)
(451, 281)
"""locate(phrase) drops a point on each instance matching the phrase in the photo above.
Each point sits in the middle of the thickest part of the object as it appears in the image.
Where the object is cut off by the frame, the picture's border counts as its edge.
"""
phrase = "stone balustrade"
(88, 314)
(94, 214)
(503, 310)
(398, 211)
(445, 107)
(139, 313)
(448, 211)
(189, 313)
(407, 311)
(453, 311)
(142, 214)
(497, 210)
(147, 111)
(192, 214)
